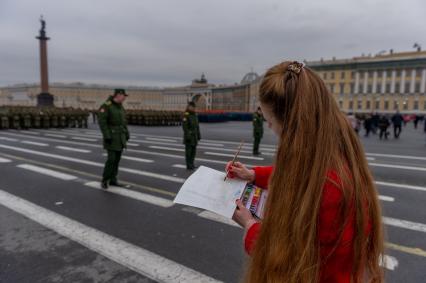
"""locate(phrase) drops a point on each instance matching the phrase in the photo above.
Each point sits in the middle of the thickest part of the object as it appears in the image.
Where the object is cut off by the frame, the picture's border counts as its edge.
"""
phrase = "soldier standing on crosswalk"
(191, 134)
(257, 130)
(113, 124)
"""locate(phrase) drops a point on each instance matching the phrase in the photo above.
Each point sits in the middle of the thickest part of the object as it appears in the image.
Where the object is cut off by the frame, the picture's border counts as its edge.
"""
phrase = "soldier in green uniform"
(191, 134)
(27, 120)
(113, 124)
(257, 130)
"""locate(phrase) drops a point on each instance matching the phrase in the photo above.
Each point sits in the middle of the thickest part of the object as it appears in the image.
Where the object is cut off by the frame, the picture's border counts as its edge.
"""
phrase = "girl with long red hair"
(322, 220)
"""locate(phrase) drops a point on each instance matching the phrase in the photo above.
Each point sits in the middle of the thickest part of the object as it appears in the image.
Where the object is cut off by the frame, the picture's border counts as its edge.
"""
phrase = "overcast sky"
(168, 43)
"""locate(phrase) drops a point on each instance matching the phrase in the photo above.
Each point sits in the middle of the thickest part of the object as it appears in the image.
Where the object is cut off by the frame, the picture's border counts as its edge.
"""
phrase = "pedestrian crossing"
(89, 148)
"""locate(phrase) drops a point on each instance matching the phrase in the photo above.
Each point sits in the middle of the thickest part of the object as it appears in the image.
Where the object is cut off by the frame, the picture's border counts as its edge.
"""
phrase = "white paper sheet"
(206, 189)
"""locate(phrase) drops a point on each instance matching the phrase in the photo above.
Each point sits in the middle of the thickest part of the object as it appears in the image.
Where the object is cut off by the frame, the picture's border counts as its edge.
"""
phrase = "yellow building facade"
(383, 83)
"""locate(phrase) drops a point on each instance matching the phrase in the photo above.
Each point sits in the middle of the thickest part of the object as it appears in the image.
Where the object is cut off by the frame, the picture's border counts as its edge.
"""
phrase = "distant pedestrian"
(355, 123)
(94, 116)
(383, 126)
(375, 122)
(257, 130)
(417, 118)
(397, 120)
(368, 123)
(113, 124)
(191, 134)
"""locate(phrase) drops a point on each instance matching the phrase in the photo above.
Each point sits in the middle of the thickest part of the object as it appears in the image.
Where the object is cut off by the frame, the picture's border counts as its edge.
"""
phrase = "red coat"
(336, 265)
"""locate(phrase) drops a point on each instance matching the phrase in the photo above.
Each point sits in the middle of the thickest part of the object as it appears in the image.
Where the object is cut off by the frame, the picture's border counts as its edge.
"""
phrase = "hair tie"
(295, 67)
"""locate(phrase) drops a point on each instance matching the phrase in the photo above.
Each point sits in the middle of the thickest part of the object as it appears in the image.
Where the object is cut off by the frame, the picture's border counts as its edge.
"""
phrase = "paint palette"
(254, 198)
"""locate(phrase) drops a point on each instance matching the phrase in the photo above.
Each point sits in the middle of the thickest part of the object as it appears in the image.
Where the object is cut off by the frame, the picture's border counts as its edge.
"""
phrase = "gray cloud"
(161, 42)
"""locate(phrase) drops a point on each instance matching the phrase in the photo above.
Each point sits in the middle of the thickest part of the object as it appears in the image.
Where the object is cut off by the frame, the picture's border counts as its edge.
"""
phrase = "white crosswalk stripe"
(134, 159)
(83, 139)
(232, 155)
(35, 143)
(164, 140)
(133, 194)
(166, 148)
(179, 166)
(8, 139)
(4, 160)
(55, 136)
(405, 224)
(73, 149)
(131, 256)
(48, 172)
(402, 186)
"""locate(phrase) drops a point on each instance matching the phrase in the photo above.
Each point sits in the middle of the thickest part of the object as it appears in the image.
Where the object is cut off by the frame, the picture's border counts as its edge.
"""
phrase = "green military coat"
(257, 125)
(113, 124)
(191, 129)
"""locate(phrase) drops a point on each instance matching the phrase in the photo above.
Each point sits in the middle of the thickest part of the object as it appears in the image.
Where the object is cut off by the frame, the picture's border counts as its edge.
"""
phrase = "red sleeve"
(262, 174)
(250, 238)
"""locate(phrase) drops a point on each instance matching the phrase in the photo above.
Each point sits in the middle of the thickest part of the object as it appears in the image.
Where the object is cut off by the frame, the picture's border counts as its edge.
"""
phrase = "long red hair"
(316, 137)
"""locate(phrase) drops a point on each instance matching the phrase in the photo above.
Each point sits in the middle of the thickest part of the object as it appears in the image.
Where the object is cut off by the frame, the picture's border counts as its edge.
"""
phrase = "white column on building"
(393, 81)
(356, 82)
(365, 82)
(374, 82)
(423, 82)
(413, 80)
(384, 73)
(402, 84)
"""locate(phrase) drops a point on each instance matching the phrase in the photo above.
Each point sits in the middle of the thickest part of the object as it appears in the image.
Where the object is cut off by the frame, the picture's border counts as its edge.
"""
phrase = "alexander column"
(44, 98)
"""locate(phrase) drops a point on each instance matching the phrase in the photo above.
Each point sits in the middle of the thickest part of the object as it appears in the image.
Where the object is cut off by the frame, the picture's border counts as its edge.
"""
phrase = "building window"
(332, 75)
(359, 104)
(405, 105)
(368, 104)
(370, 74)
(417, 88)
(352, 75)
(377, 106)
(332, 88)
(388, 88)
(342, 75)
(398, 73)
(360, 88)
(341, 104)
(369, 88)
(352, 88)
(407, 88)
(351, 105)
(395, 105)
(386, 105)
(397, 88)
(324, 75)
(416, 105)
(342, 88)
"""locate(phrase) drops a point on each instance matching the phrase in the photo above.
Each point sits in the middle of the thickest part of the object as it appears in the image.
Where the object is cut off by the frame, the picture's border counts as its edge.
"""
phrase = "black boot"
(104, 185)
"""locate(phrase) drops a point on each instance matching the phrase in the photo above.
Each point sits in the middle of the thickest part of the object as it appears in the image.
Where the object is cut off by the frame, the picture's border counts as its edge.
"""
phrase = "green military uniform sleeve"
(198, 128)
(186, 125)
(103, 120)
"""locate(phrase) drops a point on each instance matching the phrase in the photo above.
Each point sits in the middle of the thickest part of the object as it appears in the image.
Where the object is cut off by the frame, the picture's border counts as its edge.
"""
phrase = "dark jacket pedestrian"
(367, 125)
(257, 130)
(113, 124)
(383, 127)
(191, 134)
(397, 120)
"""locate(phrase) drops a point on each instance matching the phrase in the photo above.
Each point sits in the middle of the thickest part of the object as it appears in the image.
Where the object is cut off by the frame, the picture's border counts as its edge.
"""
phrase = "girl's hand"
(239, 170)
(242, 215)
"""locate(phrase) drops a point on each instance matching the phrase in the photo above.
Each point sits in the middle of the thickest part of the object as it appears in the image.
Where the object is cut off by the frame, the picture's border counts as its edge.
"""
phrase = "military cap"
(120, 91)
